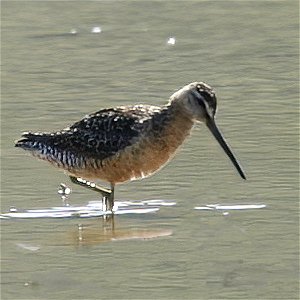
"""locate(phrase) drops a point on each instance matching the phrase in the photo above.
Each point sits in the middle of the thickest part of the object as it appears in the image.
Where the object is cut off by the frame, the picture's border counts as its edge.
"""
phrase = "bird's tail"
(33, 141)
(49, 147)
(41, 145)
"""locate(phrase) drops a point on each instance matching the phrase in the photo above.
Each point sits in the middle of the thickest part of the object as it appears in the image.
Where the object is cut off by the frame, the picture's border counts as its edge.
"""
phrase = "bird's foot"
(107, 194)
(64, 191)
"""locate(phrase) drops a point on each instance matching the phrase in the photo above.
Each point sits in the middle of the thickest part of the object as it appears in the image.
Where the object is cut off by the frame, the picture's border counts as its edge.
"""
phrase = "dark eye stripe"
(210, 99)
(199, 100)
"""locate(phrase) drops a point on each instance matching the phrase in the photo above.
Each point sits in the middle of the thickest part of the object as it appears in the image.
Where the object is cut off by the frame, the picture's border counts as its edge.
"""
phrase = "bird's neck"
(179, 115)
(178, 125)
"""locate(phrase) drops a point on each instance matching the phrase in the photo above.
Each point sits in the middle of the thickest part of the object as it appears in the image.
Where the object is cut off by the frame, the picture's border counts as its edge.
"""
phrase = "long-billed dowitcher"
(127, 142)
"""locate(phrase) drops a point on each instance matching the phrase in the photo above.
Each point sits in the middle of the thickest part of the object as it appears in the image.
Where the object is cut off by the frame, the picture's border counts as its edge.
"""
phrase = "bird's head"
(199, 102)
(198, 99)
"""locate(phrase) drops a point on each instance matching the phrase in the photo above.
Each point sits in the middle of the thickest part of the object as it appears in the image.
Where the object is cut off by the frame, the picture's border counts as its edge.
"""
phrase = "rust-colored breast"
(147, 155)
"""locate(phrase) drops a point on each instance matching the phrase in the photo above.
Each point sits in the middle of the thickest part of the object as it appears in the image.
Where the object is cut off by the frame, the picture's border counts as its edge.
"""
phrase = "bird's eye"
(208, 95)
(204, 91)
(199, 88)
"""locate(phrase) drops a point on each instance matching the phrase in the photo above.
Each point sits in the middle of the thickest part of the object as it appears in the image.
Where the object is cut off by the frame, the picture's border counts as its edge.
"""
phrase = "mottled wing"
(104, 133)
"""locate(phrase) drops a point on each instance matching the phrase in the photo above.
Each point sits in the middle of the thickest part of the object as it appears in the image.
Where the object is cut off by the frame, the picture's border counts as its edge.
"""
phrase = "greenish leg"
(107, 195)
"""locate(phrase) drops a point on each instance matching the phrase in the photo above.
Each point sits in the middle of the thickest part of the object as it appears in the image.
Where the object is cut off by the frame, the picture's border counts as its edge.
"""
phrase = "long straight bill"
(217, 134)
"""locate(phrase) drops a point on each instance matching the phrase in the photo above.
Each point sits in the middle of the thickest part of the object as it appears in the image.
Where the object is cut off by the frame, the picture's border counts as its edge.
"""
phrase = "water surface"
(246, 50)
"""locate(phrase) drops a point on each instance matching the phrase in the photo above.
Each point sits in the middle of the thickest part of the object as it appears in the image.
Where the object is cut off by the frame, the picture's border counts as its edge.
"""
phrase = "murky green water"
(248, 51)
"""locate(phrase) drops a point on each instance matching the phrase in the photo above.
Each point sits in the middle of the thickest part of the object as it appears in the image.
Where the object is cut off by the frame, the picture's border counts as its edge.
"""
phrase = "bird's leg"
(107, 195)
(109, 200)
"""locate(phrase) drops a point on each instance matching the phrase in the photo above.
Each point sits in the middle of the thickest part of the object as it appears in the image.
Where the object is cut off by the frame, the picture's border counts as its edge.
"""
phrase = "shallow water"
(55, 70)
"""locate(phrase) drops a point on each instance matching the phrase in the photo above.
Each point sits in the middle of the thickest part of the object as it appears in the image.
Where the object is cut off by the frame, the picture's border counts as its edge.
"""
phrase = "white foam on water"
(160, 202)
(230, 207)
(28, 247)
(92, 209)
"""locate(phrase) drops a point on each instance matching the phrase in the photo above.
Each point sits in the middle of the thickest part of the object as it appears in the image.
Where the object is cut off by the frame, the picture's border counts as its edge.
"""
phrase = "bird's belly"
(138, 161)
(141, 159)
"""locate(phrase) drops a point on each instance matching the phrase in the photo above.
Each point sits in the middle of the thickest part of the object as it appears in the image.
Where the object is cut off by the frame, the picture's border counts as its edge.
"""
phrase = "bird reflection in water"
(89, 235)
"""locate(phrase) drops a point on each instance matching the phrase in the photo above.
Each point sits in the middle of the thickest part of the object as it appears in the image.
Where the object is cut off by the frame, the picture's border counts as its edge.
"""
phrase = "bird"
(126, 143)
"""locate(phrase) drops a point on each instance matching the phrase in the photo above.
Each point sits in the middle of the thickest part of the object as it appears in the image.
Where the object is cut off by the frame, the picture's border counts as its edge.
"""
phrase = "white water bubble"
(73, 31)
(171, 41)
(96, 29)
